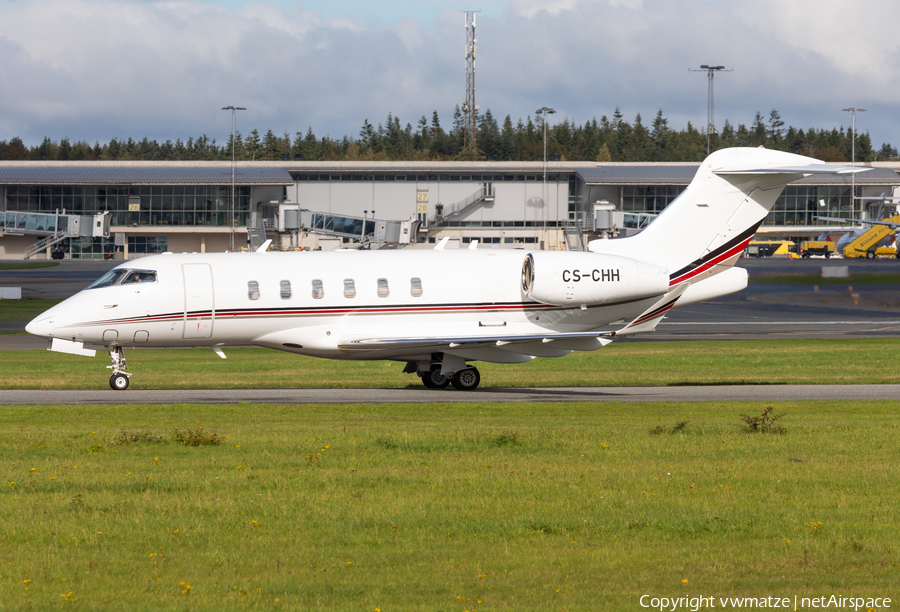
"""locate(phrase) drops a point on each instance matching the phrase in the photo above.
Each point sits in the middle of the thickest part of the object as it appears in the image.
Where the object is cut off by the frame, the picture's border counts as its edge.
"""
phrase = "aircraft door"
(199, 307)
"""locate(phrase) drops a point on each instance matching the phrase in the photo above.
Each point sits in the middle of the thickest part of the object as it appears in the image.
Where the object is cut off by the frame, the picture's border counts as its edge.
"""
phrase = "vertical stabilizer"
(706, 228)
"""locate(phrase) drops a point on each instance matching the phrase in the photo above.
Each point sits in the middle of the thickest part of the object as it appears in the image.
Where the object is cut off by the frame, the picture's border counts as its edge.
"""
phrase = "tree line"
(609, 139)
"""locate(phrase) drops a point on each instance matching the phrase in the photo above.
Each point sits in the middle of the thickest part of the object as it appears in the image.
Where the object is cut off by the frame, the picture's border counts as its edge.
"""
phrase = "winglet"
(650, 318)
(265, 245)
(440, 245)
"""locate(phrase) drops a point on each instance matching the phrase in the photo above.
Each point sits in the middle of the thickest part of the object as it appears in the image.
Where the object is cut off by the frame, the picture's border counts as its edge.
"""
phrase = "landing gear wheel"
(119, 382)
(433, 379)
(466, 380)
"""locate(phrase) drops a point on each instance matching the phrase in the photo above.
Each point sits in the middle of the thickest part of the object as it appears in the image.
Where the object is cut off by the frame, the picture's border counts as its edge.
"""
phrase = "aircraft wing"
(842, 220)
(591, 340)
(439, 344)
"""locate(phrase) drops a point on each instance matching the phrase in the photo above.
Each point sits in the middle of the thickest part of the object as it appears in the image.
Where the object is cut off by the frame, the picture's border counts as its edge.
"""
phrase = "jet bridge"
(368, 233)
(52, 228)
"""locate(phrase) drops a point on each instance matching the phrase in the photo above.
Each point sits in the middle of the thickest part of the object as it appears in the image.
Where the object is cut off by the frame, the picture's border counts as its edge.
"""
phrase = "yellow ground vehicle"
(866, 244)
(816, 247)
(771, 248)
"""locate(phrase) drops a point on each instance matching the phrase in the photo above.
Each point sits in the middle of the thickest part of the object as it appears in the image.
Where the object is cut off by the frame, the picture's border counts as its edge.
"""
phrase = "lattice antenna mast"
(470, 109)
(710, 107)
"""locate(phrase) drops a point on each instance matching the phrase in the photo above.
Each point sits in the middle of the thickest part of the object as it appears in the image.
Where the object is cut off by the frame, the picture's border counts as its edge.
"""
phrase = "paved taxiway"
(755, 393)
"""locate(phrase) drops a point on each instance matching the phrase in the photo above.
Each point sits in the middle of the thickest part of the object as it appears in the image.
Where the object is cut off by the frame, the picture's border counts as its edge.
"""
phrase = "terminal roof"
(141, 175)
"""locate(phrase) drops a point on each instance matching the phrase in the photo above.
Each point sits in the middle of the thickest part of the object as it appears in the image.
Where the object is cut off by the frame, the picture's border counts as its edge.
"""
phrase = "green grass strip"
(444, 507)
(25, 309)
(861, 278)
(28, 265)
(762, 362)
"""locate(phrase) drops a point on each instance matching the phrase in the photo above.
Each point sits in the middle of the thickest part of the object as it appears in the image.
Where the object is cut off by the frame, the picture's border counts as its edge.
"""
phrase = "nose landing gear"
(119, 379)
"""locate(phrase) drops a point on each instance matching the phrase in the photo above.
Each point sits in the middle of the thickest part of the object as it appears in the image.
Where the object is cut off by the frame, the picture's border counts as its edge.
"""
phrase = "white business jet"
(437, 310)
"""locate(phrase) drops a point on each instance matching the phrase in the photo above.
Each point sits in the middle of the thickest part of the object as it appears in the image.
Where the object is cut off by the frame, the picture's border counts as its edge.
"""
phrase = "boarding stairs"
(45, 243)
(485, 193)
(575, 237)
(51, 227)
(256, 234)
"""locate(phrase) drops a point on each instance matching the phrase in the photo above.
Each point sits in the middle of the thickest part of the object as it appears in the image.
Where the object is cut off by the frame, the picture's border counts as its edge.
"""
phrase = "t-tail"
(705, 229)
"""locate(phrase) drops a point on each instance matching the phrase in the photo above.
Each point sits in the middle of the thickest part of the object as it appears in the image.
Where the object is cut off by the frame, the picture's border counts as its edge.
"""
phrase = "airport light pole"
(853, 111)
(233, 110)
(545, 191)
(710, 107)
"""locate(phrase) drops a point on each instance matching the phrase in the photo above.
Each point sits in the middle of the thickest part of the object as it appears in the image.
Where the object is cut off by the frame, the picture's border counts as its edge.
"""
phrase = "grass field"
(444, 507)
(621, 363)
(25, 309)
(859, 279)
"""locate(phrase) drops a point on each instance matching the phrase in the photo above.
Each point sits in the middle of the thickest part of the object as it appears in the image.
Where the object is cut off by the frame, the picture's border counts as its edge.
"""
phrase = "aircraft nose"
(41, 325)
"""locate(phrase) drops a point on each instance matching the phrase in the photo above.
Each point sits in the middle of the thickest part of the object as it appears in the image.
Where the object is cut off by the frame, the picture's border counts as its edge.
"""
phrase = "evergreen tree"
(251, 145)
(366, 135)
(776, 126)
(887, 152)
(758, 137)
(65, 149)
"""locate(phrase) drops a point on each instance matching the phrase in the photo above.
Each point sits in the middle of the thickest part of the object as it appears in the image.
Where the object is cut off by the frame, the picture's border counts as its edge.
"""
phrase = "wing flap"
(456, 342)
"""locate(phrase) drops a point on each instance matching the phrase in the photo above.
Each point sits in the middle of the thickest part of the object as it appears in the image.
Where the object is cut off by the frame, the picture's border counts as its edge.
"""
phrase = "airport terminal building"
(46, 208)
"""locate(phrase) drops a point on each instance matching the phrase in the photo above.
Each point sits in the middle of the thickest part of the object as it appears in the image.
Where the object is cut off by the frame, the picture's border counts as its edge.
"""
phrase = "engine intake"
(590, 279)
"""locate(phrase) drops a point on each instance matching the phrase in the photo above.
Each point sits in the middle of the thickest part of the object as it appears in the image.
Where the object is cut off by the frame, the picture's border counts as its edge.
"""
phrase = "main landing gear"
(119, 379)
(465, 379)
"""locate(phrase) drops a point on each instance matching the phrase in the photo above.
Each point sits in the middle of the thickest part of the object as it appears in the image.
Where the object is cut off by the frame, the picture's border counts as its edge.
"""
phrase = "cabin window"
(253, 290)
(285, 290)
(415, 287)
(349, 288)
(318, 292)
(383, 288)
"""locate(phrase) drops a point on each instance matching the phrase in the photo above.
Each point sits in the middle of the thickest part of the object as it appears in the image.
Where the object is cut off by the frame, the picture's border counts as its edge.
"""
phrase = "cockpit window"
(140, 276)
(120, 276)
(113, 277)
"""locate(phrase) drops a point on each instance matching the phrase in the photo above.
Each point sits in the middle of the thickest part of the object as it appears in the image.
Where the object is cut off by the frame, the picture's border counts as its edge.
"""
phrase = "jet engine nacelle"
(566, 278)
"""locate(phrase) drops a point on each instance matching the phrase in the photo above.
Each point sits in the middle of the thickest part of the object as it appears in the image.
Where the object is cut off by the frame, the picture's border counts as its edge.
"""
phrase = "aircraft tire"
(433, 379)
(118, 382)
(466, 380)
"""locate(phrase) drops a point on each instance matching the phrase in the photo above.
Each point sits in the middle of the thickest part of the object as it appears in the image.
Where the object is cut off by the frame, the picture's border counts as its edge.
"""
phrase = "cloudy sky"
(97, 69)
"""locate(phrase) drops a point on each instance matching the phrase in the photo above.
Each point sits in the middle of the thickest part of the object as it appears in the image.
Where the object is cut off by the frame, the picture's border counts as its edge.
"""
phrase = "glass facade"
(486, 178)
(137, 205)
(650, 199)
(798, 205)
(86, 247)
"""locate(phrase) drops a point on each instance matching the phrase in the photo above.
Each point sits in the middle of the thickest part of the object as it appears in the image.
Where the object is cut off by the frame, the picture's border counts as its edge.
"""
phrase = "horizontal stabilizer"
(806, 169)
(650, 318)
